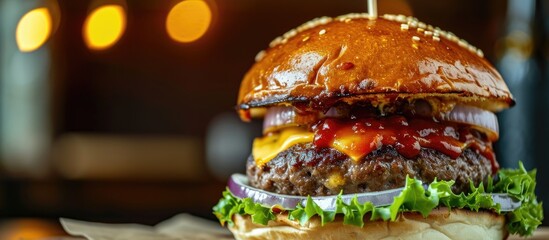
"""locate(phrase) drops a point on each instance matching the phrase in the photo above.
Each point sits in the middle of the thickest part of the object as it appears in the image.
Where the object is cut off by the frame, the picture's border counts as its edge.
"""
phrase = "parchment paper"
(180, 227)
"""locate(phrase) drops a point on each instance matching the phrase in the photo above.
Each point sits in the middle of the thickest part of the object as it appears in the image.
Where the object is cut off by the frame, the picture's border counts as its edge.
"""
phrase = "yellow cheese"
(335, 181)
(347, 145)
(350, 144)
(267, 147)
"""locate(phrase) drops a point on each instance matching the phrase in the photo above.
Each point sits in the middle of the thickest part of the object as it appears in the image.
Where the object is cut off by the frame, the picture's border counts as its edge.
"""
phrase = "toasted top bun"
(440, 224)
(353, 58)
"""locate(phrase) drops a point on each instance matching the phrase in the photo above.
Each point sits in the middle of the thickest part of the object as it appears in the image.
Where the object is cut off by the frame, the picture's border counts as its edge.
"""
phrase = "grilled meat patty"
(306, 170)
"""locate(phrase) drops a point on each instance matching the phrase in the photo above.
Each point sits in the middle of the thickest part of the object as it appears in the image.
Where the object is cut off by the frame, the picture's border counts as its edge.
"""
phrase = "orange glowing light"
(188, 20)
(104, 26)
(33, 29)
(18, 229)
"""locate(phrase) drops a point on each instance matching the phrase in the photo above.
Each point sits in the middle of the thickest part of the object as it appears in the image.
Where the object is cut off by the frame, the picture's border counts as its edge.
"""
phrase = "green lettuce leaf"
(230, 205)
(519, 183)
(413, 198)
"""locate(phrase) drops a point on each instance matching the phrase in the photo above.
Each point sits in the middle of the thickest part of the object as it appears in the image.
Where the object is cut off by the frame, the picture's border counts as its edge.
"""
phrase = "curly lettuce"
(518, 183)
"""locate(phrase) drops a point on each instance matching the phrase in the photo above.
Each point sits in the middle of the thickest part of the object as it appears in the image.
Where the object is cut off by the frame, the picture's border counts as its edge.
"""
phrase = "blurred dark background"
(122, 111)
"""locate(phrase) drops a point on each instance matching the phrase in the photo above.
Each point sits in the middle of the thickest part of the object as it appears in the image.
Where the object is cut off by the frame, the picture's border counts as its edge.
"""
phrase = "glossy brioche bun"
(440, 224)
(349, 59)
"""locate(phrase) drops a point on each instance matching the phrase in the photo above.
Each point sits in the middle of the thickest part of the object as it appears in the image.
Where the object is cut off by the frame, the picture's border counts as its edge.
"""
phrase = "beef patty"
(305, 170)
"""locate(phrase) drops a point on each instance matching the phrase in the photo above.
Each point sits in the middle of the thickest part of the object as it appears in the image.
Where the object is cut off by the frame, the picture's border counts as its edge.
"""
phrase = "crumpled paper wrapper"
(180, 227)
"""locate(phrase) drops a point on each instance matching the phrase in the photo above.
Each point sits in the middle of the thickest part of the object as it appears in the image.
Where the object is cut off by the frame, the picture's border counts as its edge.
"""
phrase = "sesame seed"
(480, 53)
(453, 37)
(305, 26)
(412, 19)
(389, 17)
(429, 31)
(324, 20)
(290, 33)
(260, 55)
(406, 24)
(356, 15)
(275, 42)
(472, 48)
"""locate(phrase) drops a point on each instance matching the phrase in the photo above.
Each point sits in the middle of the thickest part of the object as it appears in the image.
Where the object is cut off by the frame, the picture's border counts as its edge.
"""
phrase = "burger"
(375, 128)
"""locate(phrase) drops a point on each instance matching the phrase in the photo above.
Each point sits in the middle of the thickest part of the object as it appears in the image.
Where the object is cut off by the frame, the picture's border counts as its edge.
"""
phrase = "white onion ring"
(480, 119)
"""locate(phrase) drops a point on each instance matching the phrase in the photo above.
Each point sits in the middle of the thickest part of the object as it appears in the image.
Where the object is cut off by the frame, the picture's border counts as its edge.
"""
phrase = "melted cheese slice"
(267, 147)
(349, 145)
(356, 145)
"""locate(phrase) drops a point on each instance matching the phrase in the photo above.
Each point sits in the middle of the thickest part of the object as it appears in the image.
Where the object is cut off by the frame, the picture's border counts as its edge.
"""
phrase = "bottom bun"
(440, 224)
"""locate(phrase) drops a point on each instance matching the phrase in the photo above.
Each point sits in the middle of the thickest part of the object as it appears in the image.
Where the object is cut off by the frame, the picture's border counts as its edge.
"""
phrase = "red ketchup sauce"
(407, 136)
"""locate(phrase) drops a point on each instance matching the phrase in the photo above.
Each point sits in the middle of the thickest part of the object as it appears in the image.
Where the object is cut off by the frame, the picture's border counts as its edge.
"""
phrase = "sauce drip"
(359, 137)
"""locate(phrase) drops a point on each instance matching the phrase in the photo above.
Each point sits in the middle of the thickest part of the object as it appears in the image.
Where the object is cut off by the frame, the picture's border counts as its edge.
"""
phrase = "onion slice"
(481, 119)
(286, 116)
(239, 187)
(278, 116)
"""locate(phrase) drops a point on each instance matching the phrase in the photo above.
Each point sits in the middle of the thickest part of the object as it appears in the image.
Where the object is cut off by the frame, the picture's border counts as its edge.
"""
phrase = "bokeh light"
(18, 229)
(104, 26)
(33, 29)
(188, 20)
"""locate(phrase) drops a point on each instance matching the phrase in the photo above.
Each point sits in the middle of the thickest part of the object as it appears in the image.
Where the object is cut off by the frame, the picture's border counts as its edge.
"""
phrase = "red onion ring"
(239, 187)
(278, 116)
